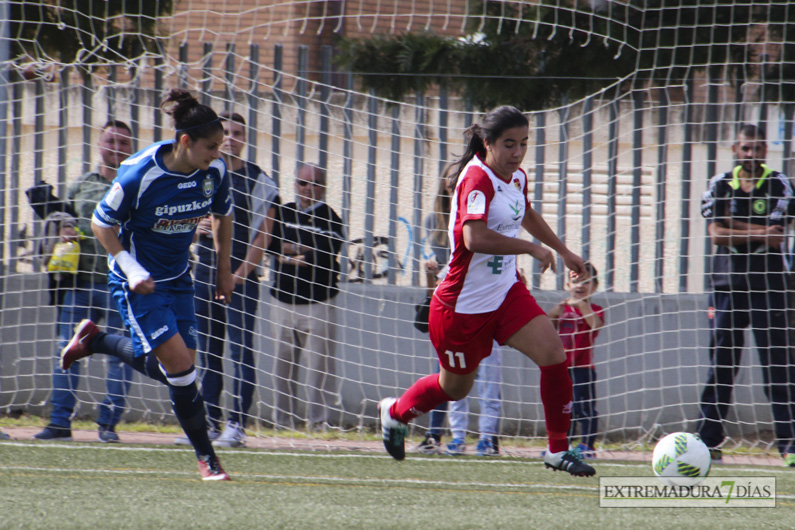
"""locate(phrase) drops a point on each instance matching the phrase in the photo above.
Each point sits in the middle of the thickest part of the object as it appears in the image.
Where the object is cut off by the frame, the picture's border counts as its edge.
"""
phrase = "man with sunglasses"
(306, 242)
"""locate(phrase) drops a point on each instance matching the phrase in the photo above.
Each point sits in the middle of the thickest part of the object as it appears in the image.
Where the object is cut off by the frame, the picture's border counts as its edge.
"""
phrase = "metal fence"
(618, 175)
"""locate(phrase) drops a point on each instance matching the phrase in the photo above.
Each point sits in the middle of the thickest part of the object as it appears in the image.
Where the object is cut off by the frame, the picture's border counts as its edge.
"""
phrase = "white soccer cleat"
(393, 431)
(569, 461)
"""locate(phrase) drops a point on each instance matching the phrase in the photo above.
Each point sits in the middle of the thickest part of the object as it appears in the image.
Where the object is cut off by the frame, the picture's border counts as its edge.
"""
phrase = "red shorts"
(463, 340)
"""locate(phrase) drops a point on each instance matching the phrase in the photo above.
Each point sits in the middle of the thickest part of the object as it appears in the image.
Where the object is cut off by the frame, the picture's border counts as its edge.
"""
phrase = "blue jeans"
(236, 320)
(88, 301)
(438, 415)
(488, 383)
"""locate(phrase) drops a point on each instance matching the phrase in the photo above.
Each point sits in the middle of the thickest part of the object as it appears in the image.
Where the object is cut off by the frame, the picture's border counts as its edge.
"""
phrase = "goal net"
(639, 109)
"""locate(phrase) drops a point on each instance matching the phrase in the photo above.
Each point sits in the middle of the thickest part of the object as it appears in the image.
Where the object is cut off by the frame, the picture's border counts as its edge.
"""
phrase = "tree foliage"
(85, 31)
(555, 50)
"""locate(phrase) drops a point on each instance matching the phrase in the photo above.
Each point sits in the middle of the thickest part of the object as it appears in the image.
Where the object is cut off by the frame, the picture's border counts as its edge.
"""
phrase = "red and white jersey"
(477, 283)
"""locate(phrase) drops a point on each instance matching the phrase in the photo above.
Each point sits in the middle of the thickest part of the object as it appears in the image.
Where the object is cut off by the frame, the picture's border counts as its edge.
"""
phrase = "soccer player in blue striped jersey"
(146, 222)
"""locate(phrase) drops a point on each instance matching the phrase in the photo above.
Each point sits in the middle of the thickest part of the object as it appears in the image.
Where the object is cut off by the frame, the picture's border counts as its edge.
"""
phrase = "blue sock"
(189, 408)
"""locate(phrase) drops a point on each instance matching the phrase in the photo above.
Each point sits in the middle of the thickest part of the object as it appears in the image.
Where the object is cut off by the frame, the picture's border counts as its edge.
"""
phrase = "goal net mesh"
(617, 170)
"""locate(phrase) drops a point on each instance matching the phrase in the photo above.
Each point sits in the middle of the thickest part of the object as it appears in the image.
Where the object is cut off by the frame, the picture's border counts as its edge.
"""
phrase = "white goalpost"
(617, 173)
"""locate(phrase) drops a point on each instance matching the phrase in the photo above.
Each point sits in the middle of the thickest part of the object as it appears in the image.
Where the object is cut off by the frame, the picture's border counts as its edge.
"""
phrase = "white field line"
(331, 479)
(312, 478)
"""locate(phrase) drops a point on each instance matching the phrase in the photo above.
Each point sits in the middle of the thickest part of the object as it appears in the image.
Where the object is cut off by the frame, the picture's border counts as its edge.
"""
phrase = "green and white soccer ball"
(681, 459)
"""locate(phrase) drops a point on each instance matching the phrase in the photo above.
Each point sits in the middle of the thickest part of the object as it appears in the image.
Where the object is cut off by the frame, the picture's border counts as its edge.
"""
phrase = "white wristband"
(131, 268)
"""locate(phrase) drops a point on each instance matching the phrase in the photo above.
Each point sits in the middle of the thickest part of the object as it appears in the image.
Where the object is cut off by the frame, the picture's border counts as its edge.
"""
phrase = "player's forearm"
(481, 239)
(538, 228)
(108, 238)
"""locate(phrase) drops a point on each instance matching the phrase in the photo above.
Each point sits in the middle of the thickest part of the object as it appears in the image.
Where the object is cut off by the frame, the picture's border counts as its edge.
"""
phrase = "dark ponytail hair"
(490, 128)
(190, 116)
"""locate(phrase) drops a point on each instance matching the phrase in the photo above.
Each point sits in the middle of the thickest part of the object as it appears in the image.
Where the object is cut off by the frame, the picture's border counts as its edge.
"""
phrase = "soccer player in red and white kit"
(482, 298)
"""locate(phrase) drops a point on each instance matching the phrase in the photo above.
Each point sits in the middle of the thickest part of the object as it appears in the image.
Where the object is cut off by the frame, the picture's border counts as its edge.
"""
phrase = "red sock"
(556, 398)
(422, 397)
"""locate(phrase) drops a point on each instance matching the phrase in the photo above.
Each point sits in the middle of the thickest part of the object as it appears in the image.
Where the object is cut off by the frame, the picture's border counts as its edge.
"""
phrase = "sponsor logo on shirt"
(160, 211)
(476, 202)
(186, 185)
(503, 228)
(176, 226)
(516, 211)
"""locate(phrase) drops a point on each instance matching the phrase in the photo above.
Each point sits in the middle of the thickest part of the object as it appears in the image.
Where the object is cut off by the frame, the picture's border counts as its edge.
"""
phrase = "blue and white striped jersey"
(158, 210)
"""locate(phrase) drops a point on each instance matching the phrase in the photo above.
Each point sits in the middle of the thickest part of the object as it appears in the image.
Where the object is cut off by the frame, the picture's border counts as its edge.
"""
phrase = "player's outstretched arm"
(538, 228)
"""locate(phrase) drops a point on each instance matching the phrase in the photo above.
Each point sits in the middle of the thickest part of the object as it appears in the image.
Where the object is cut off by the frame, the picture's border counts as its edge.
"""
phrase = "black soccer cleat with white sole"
(393, 431)
(569, 461)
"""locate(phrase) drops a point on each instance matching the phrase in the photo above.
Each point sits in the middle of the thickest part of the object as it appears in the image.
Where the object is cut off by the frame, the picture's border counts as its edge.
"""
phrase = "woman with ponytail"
(482, 298)
(146, 222)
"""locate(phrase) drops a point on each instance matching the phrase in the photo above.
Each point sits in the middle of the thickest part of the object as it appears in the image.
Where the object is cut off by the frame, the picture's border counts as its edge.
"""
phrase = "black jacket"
(319, 230)
(753, 266)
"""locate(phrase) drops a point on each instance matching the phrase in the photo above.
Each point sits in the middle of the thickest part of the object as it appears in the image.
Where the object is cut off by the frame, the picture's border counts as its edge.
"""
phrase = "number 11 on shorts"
(451, 356)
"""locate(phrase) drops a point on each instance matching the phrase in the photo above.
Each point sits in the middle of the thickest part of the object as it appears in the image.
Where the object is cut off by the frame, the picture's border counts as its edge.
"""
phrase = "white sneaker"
(183, 440)
(233, 436)
(393, 432)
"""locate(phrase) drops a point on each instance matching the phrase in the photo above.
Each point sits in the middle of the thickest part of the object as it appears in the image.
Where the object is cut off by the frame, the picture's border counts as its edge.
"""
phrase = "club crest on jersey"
(517, 184)
(760, 206)
(208, 186)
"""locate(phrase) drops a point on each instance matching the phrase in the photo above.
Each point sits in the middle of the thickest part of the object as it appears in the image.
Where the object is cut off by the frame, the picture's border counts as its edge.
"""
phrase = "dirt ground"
(331, 444)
